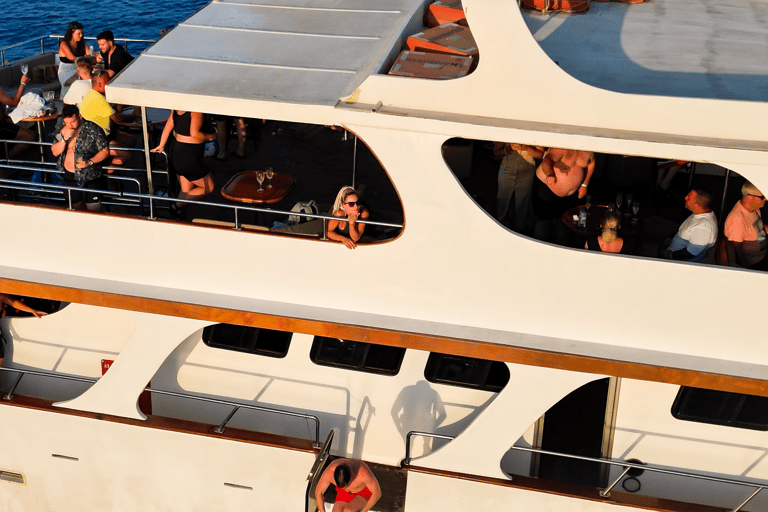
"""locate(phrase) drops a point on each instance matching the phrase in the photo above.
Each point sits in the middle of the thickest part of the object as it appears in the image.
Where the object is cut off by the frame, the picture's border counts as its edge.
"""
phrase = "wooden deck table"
(594, 217)
(243, 188)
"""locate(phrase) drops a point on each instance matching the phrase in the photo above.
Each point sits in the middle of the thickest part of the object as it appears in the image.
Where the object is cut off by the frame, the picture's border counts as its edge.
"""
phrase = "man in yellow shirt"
(97, 109)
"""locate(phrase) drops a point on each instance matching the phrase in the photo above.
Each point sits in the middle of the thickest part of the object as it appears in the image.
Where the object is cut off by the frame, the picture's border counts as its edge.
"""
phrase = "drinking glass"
(260, 179)
(619, 200)
(24, 69)
(270, 173)
(49, 95)
(588, 202)
(635, 208)
(629, 205)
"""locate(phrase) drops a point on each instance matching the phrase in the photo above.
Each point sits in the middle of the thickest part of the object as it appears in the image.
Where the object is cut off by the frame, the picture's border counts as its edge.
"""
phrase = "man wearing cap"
(745, 231)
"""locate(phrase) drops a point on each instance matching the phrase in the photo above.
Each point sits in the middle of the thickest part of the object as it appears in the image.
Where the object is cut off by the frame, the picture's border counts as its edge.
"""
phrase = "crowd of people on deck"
(537, 185)
(88, 136)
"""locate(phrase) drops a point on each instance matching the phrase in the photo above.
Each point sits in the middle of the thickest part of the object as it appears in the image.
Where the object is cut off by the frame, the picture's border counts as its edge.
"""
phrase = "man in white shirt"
(699, 231)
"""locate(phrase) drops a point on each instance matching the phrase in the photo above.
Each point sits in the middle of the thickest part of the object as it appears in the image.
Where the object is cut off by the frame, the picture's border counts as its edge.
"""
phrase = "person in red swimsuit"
(357, 489)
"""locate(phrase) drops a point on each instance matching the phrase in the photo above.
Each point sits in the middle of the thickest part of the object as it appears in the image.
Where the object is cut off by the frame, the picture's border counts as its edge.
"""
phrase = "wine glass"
(619, 200)
(629, 204)
(260, 179)
(24, 69)
(270, 173)
(588, 202)
(635, 208)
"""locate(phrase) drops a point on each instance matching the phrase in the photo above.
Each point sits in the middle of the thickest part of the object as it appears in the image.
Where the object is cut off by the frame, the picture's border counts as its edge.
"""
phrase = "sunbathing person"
(357, 489)
(349, 209)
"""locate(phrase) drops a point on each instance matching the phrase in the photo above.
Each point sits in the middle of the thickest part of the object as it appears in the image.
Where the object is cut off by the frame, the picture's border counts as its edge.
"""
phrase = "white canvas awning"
(306, 53)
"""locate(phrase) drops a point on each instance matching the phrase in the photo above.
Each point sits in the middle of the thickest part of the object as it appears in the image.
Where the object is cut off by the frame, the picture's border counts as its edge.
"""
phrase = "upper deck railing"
(40, 41)
(219, 430)
(147, 204)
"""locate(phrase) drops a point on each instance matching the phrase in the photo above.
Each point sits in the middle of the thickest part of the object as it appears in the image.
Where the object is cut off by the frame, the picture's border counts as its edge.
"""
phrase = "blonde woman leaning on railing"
(349, 209)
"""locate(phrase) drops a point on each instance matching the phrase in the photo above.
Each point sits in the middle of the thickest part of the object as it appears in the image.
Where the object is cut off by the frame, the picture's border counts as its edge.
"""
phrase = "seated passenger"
(699, 231)
(609, 240)
(113, 55)
(348, 208)
(81, 148)
(566, 171)
(744, 228)
(9, 130)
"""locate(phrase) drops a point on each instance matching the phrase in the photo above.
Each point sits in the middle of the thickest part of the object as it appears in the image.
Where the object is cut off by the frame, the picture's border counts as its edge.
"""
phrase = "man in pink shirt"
(745, 231)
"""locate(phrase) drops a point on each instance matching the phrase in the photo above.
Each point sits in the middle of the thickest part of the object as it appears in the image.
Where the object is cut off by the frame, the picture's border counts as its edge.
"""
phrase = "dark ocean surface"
(134, 19)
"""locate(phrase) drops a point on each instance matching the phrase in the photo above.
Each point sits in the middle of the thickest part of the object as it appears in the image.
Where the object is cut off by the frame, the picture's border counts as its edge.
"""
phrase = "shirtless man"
(357, 489)
(81, 148)
(565, 171)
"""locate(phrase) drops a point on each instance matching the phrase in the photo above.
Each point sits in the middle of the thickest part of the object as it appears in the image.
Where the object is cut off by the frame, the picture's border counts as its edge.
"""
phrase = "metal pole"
(354, 162)
(145, 131)
(725, 191)
(748, 499)
(607, 492)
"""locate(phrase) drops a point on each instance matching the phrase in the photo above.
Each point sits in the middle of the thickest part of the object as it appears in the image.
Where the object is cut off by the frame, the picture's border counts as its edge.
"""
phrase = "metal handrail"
(220, 429)
(153, 200)
(41, 40)
(407, 460)
(625, 464)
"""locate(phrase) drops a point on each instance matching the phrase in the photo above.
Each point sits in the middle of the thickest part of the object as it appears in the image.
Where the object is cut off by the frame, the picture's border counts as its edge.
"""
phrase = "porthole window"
(466, 372)
(356, 355)
(721, 408)
(252, 340)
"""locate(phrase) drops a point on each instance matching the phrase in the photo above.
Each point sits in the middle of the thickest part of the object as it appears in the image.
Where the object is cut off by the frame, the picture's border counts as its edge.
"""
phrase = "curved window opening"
(466, 372)
(251, 340)
(309, 166)
(614, 203)
(356, 355)
(721, 408)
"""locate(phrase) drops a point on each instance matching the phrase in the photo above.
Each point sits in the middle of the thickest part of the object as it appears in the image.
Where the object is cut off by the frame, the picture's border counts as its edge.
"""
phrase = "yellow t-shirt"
(96, 108)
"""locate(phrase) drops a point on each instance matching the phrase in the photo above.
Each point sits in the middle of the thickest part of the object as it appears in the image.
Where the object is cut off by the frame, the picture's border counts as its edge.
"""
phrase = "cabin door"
(321, 461)
(579, 424)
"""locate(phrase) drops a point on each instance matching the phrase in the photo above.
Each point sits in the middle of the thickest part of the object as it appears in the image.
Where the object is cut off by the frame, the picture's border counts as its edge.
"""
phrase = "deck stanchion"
(145, 132)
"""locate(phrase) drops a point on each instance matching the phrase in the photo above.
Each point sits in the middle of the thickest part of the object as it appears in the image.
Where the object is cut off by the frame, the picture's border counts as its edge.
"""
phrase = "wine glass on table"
(270, 172)
(619, 200)
(260, 179)
(588, 202)
(635, 209)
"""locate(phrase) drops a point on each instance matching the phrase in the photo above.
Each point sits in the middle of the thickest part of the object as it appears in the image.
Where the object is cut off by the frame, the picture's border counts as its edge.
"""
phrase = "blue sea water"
(134, 19)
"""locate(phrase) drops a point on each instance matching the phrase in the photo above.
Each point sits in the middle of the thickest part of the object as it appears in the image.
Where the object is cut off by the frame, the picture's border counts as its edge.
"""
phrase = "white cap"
(77, 92)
